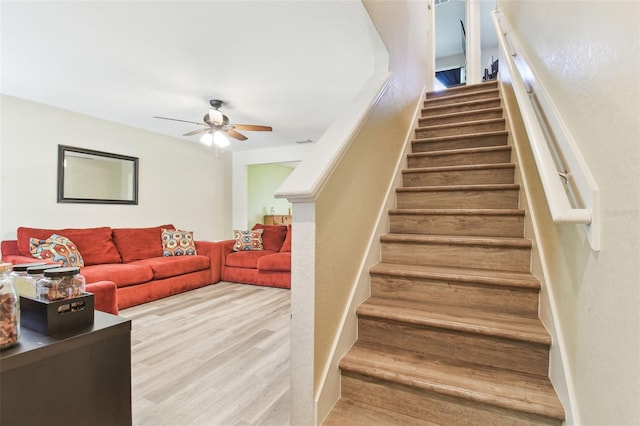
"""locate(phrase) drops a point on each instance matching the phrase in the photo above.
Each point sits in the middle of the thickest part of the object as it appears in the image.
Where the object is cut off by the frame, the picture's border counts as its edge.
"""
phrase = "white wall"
(179, 182)
(588, 58)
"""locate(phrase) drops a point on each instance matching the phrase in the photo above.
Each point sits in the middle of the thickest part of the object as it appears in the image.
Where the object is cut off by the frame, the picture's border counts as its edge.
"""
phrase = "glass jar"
(60, 283)
(9, 309)
(23, 285)
(34, 274)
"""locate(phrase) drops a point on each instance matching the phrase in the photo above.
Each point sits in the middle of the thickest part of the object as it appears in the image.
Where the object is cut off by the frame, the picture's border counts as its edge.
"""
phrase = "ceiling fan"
(216, 122)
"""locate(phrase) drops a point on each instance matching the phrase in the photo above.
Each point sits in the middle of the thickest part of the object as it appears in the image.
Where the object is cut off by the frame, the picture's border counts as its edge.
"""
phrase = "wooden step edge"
(523, 280)
(356, 413)
(454, 188)
(459, 168)
(468, 88)
(475, 135)
(462, 95)
(457, 212)
(460, 320)
(403, 374)
(460, 114)
(461, 124)
(472, 103)
(460, 151)
(456, 240)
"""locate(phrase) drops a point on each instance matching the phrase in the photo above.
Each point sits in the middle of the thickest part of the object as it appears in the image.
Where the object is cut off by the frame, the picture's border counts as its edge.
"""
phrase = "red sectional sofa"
(125, 266)
(268, 267)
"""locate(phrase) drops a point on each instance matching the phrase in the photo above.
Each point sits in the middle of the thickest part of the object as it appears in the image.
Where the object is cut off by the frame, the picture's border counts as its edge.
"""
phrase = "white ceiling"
(292, 65)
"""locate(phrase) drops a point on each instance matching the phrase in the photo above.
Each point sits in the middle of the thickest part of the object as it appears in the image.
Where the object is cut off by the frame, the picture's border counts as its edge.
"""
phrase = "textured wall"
(348, 206)
(588, 58)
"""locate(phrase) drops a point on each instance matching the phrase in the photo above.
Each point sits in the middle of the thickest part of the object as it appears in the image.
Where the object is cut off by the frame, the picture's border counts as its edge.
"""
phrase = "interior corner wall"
(588, 59)
(243, 159)
(180, 182)
(263, 182)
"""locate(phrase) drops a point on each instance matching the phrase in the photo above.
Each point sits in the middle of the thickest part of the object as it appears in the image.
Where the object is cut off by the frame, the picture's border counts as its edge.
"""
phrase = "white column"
(302, 369)
(474, 46)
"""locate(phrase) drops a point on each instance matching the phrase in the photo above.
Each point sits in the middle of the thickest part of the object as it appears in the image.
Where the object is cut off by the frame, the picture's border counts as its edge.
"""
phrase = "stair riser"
(452, 224)
(462, 90)
(459, 129)
(485, 350)
(437, 408)
(460, 107)
(449, 100)
(468, 116)
(467, 295)
(460, 159)
(458, 143)
(471, 199)
(500, 258)
(459, 177)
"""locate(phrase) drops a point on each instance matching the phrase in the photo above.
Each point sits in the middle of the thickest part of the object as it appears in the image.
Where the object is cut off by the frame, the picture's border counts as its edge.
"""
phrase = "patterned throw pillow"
(248, 240)
(57, 248)
(178, 243)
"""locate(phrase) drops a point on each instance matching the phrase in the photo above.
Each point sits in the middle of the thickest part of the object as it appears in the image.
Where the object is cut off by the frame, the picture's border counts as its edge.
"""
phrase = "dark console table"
(74, 378)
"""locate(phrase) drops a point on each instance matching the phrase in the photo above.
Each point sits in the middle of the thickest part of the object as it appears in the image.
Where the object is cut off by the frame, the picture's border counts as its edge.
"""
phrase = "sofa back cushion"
(94, 244)
(286, 246)
(139, 243)
(272, 235)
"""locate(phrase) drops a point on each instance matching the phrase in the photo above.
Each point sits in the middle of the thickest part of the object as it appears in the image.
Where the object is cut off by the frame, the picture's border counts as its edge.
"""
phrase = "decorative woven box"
(58, 316)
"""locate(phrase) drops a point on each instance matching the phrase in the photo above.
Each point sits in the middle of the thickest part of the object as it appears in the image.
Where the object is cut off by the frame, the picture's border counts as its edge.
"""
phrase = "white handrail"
(562, 211)
(307, 180)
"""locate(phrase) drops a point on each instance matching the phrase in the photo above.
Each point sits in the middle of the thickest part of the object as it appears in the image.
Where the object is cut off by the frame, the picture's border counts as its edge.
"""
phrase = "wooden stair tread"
(458, 137)
(467, 88)
(459, 168)
(461, 124)
(483, 187)
(481, 276)
(459, 212)
(456, 240)
(472, 103)
(503, 325)
(508, 389)
(355, 413)
(459, 151)
(456, 96)
(462, 114)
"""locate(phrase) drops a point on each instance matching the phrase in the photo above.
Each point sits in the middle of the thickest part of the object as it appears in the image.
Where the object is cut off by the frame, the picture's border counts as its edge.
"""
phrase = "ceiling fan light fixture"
(220, 139)
(207, 139)
(216, 116)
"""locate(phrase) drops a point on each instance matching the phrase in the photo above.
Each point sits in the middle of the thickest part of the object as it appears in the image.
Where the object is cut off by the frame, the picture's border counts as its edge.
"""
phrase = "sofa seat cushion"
(123, 274)
(94, 244)
(246, 259)
(139, 243)
(277, 262)
(171, 266)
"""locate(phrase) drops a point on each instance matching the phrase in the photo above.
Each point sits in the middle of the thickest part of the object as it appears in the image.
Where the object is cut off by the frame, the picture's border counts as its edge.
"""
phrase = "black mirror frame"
(61, 197)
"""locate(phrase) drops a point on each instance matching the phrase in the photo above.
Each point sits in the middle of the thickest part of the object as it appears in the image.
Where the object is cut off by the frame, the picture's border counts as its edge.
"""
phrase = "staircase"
(450, 334)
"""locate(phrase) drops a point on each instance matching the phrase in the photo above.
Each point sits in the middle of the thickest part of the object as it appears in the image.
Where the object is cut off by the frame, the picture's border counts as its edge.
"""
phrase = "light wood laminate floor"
(218, 355)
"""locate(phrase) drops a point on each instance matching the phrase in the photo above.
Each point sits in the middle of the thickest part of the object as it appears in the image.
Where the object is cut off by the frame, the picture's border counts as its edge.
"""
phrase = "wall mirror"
(96, 177)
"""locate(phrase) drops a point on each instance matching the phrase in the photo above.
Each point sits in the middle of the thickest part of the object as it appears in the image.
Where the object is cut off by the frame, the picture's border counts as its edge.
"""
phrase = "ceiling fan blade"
(184, 121)
(235, 135)
(252, 127)
(197, 131)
